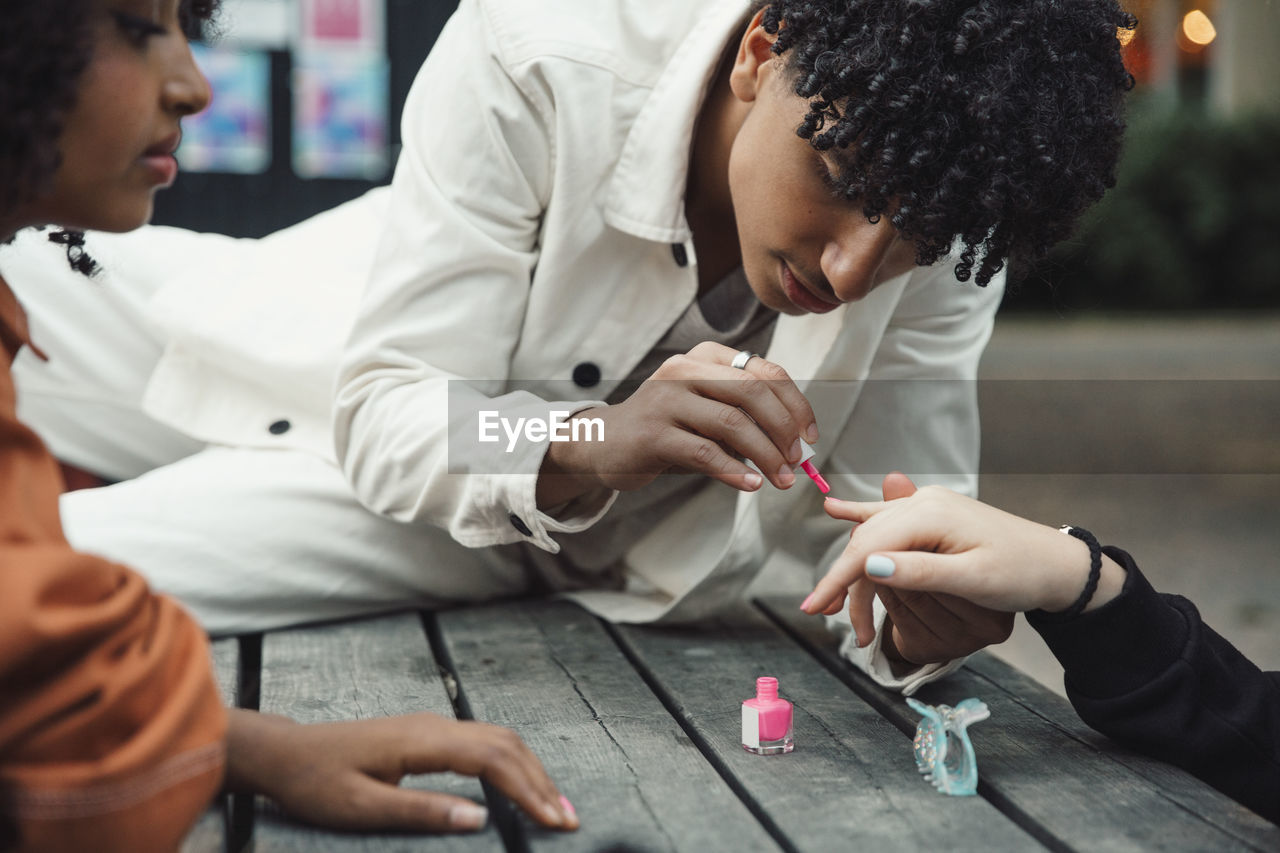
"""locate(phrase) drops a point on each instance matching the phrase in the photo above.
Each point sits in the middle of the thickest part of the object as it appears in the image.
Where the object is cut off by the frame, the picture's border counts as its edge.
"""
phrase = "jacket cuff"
(873, 661)
(534, 525)
(1129, 640)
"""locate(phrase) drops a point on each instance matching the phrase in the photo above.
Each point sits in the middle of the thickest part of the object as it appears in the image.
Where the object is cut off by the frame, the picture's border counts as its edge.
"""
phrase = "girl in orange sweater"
(112, 734)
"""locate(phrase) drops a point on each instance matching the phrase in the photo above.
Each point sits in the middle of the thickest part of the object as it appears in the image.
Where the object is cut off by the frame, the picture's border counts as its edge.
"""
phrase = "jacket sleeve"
(1144, 670)
(112, 734)
(433, 341)
(917, 413)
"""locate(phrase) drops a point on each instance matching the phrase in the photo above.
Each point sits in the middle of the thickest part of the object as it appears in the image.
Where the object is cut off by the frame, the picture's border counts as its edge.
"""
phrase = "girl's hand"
(347, 775)
(695, 413)
(939, 541)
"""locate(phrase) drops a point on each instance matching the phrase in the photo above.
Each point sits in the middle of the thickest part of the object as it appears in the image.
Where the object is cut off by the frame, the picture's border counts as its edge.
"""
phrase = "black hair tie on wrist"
(1095, 570)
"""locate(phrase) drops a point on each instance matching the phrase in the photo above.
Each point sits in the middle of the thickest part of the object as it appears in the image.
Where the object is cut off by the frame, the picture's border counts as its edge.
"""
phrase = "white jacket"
(537, 226)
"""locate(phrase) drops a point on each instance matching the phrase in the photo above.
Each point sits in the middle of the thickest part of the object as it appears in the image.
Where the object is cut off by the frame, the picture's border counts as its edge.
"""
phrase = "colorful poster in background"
(340, 114)
(234, 133)
(265, 24)
(356, 25)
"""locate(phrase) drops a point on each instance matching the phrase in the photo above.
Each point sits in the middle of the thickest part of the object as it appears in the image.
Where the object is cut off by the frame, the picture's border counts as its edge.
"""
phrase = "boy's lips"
(801, 296)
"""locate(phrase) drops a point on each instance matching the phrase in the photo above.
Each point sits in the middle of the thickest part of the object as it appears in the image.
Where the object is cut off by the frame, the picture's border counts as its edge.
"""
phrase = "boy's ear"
(754, 61)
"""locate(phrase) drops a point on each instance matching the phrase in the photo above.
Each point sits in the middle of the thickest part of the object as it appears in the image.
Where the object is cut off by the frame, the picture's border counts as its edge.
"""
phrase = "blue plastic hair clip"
(944, 754)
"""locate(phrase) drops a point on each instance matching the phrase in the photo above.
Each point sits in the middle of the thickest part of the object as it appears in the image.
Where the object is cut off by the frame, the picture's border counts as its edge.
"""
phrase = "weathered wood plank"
(209, 835)
(852, 778)
(358, 670)
(1070, 792)
(1180, 786)
(226, 669)
(551, 672)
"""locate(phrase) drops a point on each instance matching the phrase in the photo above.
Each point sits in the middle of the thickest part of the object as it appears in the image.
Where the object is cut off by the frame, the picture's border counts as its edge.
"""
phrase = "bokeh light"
(1197, 28)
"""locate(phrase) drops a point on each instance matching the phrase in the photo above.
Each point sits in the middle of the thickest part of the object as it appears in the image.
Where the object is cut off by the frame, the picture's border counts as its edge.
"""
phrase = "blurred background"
(1131, 384)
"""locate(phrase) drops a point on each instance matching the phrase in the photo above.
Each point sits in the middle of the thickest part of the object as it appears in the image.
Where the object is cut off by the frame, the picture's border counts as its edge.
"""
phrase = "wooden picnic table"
(640, 727)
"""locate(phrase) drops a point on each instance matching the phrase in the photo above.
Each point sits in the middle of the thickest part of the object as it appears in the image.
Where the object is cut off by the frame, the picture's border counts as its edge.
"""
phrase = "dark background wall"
(253, 205)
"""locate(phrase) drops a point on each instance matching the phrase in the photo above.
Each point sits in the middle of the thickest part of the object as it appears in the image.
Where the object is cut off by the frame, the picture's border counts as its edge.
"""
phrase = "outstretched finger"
(861, 614)
(897, 485)
(922, 571)
(856, 511)
(373, 804)
(784, 389)
(500, 757)
(833, 607)
(527, 786)
(829, 592)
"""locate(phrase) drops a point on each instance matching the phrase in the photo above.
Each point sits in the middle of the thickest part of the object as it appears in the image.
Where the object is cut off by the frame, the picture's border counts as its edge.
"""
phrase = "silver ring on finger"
(740, 360)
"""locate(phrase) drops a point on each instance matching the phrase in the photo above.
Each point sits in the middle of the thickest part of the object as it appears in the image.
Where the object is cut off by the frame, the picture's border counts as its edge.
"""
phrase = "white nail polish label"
(750, 726)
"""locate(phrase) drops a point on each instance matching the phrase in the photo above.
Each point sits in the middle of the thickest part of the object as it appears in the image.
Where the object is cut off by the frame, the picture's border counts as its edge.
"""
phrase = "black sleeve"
(1144, 670)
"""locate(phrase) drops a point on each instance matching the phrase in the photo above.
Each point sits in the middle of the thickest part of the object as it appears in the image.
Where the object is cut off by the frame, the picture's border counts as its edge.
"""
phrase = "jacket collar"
(645, 197)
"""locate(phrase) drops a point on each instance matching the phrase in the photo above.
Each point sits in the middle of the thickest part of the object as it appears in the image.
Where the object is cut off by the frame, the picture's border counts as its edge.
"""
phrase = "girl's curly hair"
(45, 46)
(992, 122)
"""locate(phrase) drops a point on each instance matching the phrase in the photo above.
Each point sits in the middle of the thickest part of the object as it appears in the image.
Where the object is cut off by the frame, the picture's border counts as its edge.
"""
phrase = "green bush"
(1192, 223)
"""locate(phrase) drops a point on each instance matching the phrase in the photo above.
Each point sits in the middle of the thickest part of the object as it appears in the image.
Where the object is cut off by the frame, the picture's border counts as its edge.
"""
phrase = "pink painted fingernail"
(568, 806)
(804, 605)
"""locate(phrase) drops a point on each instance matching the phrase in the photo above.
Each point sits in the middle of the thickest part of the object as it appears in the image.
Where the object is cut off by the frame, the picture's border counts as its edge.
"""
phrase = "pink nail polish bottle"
(766, 720)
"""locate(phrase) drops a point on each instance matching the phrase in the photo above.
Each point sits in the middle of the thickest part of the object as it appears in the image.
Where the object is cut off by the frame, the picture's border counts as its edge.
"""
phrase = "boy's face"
(118, 141)
(804, 250)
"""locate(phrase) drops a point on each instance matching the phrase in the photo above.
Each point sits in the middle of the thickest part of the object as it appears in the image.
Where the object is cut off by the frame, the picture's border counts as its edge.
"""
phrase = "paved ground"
(1198, 504)
(1160, 437)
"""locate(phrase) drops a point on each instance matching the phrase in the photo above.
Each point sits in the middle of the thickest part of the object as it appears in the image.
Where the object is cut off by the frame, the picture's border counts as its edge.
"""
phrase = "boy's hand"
(698, 413)
(347, 775)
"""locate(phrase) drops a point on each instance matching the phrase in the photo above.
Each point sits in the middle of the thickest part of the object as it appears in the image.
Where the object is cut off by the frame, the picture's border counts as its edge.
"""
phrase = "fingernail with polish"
(553, 815)
(804, 605)
(568, 807)
(880, 566)
(468, 816)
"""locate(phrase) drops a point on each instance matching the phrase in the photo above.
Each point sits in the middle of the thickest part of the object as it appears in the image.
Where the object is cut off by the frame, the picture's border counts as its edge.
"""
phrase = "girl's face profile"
(118, 141)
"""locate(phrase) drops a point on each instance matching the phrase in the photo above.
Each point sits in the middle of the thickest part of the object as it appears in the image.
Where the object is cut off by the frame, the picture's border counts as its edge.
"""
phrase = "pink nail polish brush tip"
(806, 453)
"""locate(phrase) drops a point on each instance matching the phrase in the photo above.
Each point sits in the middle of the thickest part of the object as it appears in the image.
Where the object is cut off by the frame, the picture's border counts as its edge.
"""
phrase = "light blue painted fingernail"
(880, 566)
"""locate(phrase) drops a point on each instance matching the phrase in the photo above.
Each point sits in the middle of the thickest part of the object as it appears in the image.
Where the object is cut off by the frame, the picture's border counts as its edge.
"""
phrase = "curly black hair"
(44, 48)
(992, 122)
(45, 45)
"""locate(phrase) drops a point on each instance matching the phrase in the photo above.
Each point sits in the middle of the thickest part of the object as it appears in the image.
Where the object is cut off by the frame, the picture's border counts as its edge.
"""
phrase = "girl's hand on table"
(346, 775)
